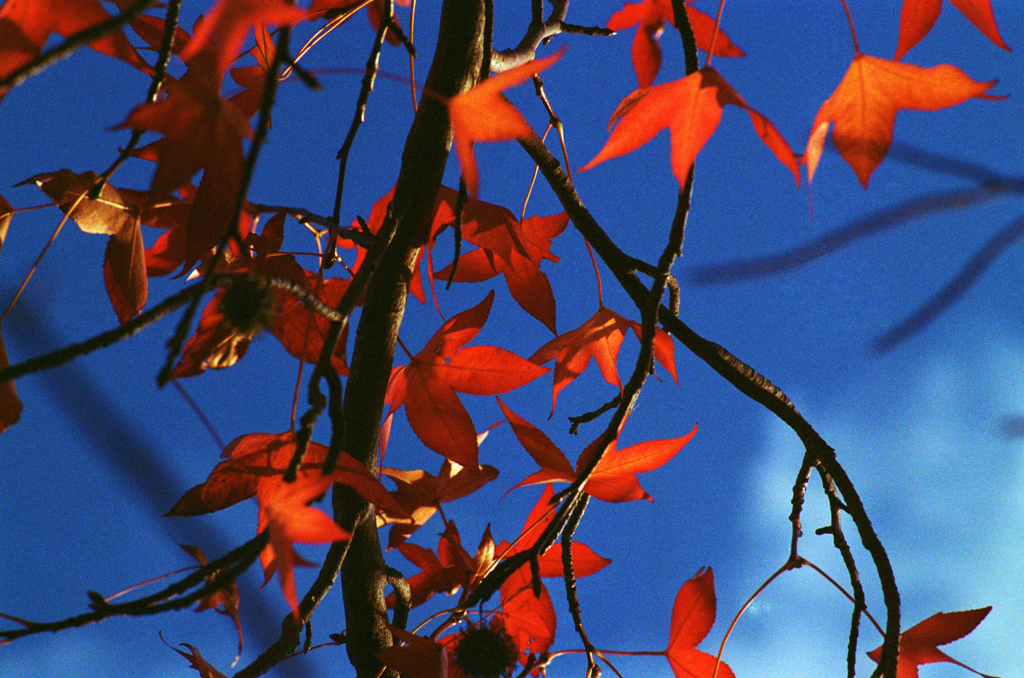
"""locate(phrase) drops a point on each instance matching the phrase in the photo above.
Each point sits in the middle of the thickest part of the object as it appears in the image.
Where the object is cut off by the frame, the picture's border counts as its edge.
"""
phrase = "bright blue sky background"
(926, 431)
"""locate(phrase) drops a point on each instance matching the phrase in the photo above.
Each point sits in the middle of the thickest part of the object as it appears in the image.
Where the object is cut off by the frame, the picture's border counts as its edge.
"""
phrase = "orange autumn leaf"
(918, 16)
(417, 657)
(229, 22)
(512, 249)
(693, 615)
(450, 569)
(650, 17)
(427, 386)
(919, 644)
(225, 600)
(599, 338)
(421, 494)
(864, 106)
(484, 114)
(254, 464)
(285, 512)
(614, 479)
(691, 109)
(196, 661)
(585, 561)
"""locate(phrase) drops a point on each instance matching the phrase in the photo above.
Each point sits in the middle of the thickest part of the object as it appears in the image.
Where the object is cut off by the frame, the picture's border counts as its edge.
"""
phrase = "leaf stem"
(853, 30)
(714, 34)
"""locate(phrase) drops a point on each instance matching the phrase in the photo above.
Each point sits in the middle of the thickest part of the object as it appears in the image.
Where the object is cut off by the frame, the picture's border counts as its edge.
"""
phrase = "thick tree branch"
(456, 67)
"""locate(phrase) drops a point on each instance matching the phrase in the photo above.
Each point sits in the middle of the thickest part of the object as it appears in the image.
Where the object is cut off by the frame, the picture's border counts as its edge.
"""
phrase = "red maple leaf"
(284, 511)
(419, 657)
(599, 338)
(864, 106)
(585, 561)
(918, 16)
(692, 618)
(510, 248)
(919, 644)
(650, 17)
(25, 26)
(691, 109)
(219, 343)
(527, 617)
(201, 131)
(421, 494)
(427, 386)
(226, 26)
(614, 479)
(484, 114)
(450, 569)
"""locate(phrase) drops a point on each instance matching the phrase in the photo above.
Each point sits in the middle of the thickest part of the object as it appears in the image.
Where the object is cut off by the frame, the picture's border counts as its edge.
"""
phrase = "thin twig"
(569, 577)
(160, 72)
(369, 77)
(177, 340)
(110, 337)
(226, 568)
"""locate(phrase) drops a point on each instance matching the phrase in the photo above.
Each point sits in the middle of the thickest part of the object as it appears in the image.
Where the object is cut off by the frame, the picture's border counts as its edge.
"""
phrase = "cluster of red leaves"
(599, 338)
(427, 386)
(863, 107)
(204, 131)
(526, 613)
(420, 495)
(650, 17)
(254, 466)
(26, 25)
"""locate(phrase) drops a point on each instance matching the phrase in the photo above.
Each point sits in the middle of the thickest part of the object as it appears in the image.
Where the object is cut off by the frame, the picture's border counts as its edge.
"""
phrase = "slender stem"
(369, 77)
(714, 34)
(788, 565)
(39, 259)
(853, 30)
(159, 74)
(177, 340)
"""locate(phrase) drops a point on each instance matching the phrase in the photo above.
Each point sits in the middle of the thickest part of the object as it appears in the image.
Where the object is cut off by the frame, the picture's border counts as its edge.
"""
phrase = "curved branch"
(538, 32)
(745, 378)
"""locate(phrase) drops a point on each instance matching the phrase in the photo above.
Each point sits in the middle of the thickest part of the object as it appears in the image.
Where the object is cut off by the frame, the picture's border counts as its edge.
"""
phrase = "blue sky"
(926, 431)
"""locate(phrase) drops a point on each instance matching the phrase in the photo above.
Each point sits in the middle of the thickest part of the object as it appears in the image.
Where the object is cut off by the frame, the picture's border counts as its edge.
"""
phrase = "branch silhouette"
(988, 185)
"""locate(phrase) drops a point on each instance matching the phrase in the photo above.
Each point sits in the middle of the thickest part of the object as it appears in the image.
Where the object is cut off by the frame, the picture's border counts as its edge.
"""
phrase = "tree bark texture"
(456, 67)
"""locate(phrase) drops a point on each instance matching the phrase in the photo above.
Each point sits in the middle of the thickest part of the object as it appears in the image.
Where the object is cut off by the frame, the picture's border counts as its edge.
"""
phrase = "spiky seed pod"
(248, 305)
(485, 652)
